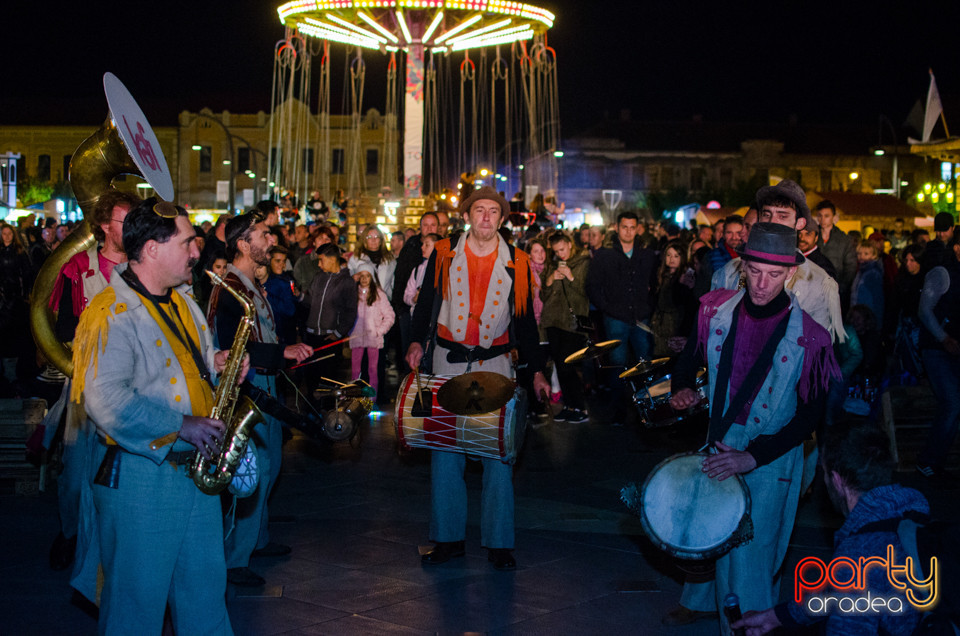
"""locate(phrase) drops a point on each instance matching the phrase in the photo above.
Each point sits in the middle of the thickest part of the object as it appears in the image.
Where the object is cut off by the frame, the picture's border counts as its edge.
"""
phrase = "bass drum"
(497, 435)
(690, 516)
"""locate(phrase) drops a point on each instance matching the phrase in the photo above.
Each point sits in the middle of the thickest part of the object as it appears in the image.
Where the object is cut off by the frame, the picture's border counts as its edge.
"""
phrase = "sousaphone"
(124, 144)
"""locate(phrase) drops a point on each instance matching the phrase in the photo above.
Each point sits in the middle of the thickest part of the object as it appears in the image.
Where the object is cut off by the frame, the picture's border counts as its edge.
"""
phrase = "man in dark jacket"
(407, 261)
(619, 284)
(807, 241)
(858, 470)
(838, 247)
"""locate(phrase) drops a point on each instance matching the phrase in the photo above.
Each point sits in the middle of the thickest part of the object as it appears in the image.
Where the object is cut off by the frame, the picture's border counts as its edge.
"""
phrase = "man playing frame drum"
(769, 364)
(476, 303)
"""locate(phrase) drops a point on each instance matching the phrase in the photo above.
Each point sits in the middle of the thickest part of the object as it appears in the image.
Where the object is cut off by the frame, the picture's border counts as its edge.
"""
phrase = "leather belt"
(457, 353)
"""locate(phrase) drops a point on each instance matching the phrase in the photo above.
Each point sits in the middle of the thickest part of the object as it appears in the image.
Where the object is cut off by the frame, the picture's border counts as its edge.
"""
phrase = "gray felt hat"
(773, 244)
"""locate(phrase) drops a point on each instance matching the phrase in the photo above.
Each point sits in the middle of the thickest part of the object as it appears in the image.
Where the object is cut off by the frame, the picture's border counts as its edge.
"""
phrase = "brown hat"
(489, 194)
(789, 190)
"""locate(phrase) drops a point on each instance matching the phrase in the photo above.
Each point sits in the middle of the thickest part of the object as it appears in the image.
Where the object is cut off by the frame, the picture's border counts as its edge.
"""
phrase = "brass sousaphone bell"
(124, 144)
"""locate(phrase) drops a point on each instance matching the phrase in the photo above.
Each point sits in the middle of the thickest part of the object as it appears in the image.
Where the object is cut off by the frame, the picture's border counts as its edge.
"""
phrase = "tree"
(32, 190)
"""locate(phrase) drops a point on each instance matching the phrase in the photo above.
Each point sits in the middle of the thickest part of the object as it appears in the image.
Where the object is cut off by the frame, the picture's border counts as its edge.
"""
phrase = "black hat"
(773, 244)
(943, 222)
(789, 190)
(486, 193)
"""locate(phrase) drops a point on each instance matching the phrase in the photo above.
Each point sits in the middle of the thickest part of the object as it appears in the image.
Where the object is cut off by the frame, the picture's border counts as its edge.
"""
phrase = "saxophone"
(238, 412)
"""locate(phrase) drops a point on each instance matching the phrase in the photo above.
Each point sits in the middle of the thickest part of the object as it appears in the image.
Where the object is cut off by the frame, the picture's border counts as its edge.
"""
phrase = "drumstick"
(419, 387)
(331, 344)
(303, 364)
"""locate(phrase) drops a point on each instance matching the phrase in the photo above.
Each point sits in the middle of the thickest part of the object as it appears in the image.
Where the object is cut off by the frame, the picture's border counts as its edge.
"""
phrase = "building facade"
(218, 157)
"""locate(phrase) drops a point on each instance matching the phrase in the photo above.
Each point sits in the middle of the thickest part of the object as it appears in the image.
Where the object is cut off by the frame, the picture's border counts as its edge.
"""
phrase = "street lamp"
(226, 131)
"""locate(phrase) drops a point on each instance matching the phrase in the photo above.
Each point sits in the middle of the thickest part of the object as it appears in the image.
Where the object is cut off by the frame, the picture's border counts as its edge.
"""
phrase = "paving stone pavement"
(357, 519)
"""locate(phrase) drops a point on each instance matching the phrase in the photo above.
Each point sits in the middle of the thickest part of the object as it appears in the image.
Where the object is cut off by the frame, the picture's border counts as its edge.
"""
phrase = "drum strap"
(720, 420)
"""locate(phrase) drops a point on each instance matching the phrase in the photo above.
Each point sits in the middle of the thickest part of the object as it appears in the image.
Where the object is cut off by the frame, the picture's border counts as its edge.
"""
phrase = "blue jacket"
(620, 286)
(719, 256)
(868, 289)
(879, 504)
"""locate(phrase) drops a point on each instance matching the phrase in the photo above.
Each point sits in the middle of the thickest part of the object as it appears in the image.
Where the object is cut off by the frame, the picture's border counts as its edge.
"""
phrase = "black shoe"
(272, 550)
(502, 558)
(443, 551)
(62, 552)
(244, 577)
(572, 416)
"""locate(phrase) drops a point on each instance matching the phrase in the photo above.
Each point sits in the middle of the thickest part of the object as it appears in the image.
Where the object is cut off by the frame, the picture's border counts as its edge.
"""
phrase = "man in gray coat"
(839, 248)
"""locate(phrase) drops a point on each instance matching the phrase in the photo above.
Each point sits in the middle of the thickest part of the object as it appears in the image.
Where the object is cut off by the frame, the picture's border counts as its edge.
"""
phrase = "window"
(275, 158)
(696, 178)
(206, 159)
(826, 180)
(308, 160)
(43, 167)
(726, 178)
(639, 178)
(243, 159)
(667, 178)
(66, 166)
(373, 161)
(653, 177)
(336, 165)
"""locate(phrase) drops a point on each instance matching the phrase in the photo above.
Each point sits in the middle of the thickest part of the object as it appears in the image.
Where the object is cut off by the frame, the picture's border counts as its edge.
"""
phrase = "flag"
(934, 108)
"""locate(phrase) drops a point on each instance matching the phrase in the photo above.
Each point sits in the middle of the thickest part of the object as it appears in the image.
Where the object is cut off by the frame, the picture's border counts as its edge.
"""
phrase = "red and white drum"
(497, 435)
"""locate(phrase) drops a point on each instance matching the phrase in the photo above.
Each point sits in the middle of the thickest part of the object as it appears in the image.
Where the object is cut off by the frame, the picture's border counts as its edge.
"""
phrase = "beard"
(259, 256)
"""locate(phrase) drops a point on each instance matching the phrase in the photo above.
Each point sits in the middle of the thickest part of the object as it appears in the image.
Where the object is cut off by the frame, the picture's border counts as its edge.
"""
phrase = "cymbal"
(644, 366)
(593, 351)
(476, 393)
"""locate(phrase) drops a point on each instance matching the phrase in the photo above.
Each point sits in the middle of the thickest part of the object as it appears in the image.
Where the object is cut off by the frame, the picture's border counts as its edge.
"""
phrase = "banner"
(413, 124)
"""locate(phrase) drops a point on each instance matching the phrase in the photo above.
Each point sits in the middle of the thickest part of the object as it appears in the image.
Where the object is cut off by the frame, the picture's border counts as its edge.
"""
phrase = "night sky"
(825, 62)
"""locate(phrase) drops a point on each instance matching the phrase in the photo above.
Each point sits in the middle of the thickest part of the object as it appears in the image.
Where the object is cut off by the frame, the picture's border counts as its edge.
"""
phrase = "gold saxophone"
(238, 412)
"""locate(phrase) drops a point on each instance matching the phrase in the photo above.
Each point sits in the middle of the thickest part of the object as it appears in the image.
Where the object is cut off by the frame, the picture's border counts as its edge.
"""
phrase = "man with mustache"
(248, 247)
(84, 276)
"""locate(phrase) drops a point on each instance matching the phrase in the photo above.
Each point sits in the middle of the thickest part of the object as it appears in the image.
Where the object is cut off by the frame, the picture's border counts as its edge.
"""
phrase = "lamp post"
(229, 163)
(896, 151)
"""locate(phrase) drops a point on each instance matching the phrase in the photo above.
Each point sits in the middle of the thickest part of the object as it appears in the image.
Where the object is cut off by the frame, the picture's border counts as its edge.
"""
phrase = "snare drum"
(653, 401)
(691, 516)
(497, 435)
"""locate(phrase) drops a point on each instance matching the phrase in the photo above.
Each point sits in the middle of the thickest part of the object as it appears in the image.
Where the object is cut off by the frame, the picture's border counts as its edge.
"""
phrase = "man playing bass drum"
(475, 300)
(769, 365)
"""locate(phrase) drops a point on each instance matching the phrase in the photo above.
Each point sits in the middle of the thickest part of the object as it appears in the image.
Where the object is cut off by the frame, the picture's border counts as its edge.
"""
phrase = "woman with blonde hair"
(372, 248)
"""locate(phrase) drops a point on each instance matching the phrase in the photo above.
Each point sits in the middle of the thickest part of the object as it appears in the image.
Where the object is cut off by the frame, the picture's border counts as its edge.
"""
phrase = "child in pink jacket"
(374, 318)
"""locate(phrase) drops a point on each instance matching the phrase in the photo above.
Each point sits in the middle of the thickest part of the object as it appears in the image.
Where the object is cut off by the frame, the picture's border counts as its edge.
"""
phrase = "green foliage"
(31, 190)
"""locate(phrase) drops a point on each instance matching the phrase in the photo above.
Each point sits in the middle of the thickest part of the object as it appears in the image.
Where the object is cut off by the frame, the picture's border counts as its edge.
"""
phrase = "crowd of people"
(797, 322)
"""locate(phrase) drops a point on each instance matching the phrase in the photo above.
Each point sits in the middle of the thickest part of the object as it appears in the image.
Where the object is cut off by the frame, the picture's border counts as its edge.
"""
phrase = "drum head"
(688, 514)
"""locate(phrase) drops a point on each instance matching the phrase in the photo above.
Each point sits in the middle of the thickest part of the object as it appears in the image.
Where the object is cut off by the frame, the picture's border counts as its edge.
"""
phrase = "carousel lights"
(460, 27)
(433, 26)
(492, 34)
(325, 34)
(481, 31)
(483, 41)
(376, 25)
(403, 26)
(353, 27)
(335, 29)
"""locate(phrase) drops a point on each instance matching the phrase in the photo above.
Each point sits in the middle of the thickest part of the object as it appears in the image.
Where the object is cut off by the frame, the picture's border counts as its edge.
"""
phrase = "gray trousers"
(251, 517)
(448, 490)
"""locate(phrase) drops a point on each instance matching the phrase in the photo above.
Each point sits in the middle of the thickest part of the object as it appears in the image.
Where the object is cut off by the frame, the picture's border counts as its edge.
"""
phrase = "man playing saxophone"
(248, 242)
(143, 358)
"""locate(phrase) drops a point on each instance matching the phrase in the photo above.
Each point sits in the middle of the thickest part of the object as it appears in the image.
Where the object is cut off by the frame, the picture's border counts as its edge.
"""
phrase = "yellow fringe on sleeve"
(91, 340)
